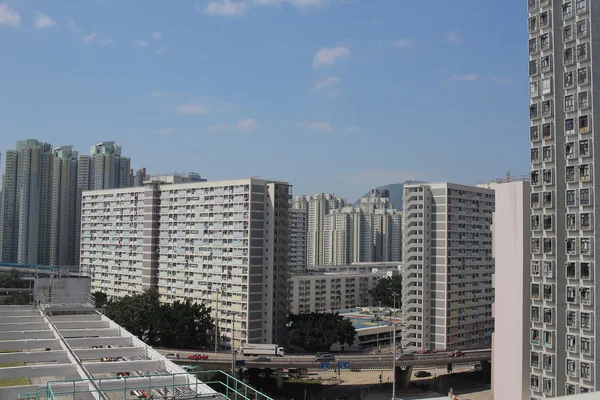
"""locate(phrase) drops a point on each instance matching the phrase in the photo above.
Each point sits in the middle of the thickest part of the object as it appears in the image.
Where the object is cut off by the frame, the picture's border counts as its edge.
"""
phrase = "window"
(547, 176)
(532, 4)
(582, 28)
(547, 153)
(548, 338)
(586, 345)
(570, 198)
(585, 319)
(548, 223)
(584, 124)
(548, 318)
(535, 314)
(586, 371)
(533, 68)
(571, 246)
(584, 148)
(570, 176)
(532, 25)
(548, 292)
(547, 107)
(535, 270)
(548, 268)
(583, 100)
(535, 359)
(586, 296)
(569, 79)
(546, 63)
(571, 368)
(583, 76)
(571, 270)
(571, 220)
(535, 200)
(572, 343)
(582, 52)
(585, 173)
(535, 383)
(547, 86)
(570, 389)
(535, 177)
(534, 133)
(535, 223)
(546, 42)
(545, 19)
(569, 126)
(535, 291)
(567, 30)
(585, 197)
(533, 111)
(547, 200)
(534, 89)
(570, 152)
(581, 6)
(585, 221)
(572, 319)
(547, 363)
(586, 270)
(567, 10)
(547, 131)
(535, 336)
(547, 386)
(535, 155)
(533, 47)
(570, 102)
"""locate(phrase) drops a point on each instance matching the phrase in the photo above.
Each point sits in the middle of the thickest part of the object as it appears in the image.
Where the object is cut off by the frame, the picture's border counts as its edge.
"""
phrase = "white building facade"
(224, 244)
(447, 266)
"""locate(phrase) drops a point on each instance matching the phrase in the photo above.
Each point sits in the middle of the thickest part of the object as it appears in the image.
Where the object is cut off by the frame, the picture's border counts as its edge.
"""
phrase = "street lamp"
(217, 323)
(394, 365)
(233, 315)
(394, 294)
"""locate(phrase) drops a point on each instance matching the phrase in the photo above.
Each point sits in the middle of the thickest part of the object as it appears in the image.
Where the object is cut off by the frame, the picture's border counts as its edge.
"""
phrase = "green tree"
(13, 280)
(100, 299)
(384, 291)
(319, 331)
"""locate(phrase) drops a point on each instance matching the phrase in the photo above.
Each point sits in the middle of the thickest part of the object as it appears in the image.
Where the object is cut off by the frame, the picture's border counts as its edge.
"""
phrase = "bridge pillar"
(279, 378)
(403, 377)
(486, 367)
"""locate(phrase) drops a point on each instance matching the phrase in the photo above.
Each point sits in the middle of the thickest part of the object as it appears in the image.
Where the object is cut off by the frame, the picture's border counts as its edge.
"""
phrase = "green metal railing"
(222, 384)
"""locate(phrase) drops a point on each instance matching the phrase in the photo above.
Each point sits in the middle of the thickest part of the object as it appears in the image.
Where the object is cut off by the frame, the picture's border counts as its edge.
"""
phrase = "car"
(198, 357)
(262, 359)
(476, 367)
(325, 357)
(425, 351)
(190, 368)
(172, 355)
(123, 374)
(456, 354)
(422, 374)
(406, 356)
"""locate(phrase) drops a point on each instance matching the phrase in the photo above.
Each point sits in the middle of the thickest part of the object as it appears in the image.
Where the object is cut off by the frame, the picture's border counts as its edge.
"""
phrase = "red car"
(425, 351)
(456, 354)
(198, 357)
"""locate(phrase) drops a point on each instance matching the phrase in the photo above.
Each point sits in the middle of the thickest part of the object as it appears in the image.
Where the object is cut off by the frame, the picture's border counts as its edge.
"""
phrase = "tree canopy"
(180, 324)
(318, 331)
(13, 280)
(384, 290)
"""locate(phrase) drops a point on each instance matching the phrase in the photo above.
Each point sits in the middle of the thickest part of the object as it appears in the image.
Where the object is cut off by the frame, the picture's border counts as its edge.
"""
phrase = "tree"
(319, 331)
(13, 280)
(100, 299)
(384, 290)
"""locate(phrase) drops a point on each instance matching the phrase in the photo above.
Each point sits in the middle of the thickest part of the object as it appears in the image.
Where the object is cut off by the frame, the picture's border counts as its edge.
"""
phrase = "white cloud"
(139, 43)
(266, 2)
(106, 41)
(454, 38)
(161, 50)
(327, 83)
(465, 78)
(87, 39)
(157, 35)
(327, 56)
(72, 27)
(318, 126)
(335, 93)
(379, 177)
(353, 128)
(8, 16)
(42, 21)
(502, 80)
(403, 43)
(166, 131)
(247, 124)
(203, 107)
(226, 8)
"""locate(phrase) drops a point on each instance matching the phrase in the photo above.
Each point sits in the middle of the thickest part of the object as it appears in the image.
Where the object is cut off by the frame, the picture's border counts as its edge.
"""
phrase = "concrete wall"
(510, 343)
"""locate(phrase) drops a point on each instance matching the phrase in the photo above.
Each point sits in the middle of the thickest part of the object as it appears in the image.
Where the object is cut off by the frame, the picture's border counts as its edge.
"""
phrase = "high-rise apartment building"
(63, 227)
(223, 243)
(139, 177)
(26, 208)
(563, 331)
(298, 229)
(447, 290)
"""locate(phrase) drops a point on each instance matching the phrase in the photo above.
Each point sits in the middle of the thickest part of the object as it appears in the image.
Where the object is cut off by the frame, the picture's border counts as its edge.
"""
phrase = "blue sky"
(330, 95)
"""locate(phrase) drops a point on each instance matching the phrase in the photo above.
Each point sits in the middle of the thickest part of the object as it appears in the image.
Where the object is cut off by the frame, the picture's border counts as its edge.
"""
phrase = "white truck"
(255, 349)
